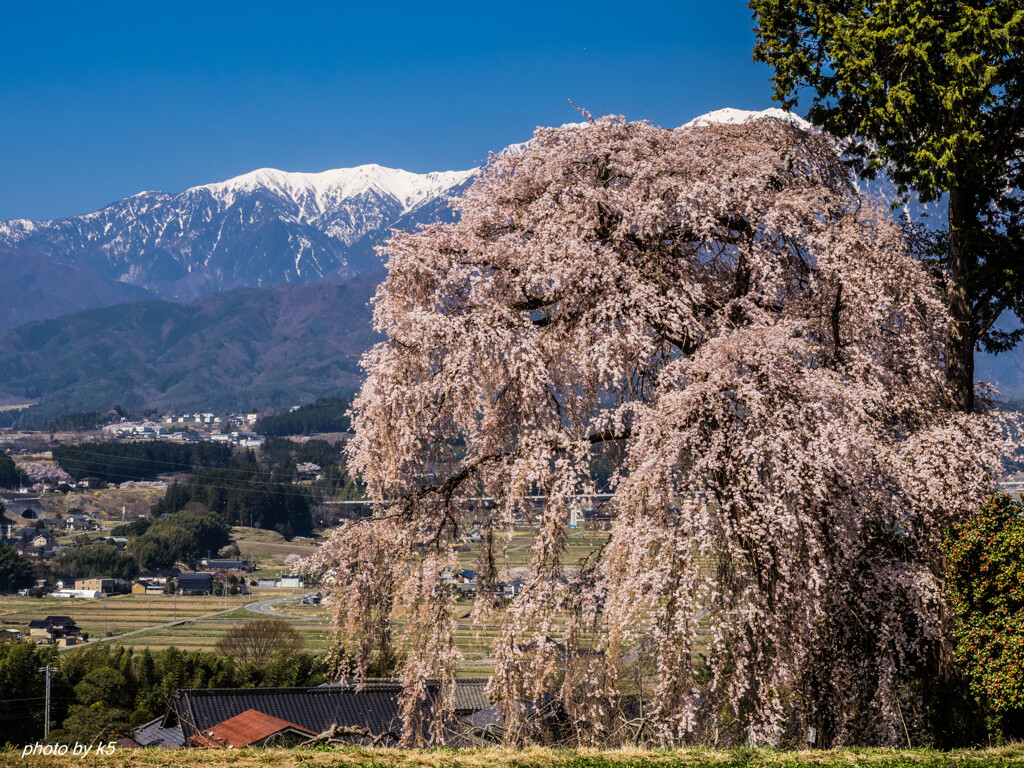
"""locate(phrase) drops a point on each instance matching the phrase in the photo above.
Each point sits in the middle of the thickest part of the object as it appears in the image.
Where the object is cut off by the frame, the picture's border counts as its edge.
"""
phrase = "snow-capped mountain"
(261, 228)
(268, 226)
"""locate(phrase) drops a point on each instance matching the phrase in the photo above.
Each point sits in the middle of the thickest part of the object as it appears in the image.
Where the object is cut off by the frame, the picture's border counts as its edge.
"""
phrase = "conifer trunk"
(960, 344)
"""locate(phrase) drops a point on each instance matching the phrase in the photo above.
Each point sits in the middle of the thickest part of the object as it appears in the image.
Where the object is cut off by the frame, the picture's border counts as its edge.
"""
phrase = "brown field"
(535, 757)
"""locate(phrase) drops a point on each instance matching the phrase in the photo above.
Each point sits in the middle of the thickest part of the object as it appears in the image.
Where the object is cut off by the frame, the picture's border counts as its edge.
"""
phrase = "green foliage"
(328, 414)
(117, 462)
(243, 494)
(935, 84)
(82, 421)
(10, 475)
(931, 92)
(985, 583)
(15, 571)
(86, 724)
(279, 451)
(102, 684)
(95, 560)
(284, 455)
(109, 688)
(21, 689)
(134, 528)
(184, 536)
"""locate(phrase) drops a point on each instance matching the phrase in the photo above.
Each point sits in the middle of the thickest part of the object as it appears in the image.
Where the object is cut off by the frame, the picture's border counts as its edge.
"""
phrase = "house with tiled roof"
(197, 717)
(54, 630)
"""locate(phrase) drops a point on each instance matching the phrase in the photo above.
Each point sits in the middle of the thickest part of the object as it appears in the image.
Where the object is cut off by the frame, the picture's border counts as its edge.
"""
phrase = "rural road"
(176, 623)
(263, 607)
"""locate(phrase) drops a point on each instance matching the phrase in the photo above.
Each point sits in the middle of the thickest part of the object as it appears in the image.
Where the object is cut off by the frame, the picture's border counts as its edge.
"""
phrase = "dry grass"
(114, 616)
(526, 758)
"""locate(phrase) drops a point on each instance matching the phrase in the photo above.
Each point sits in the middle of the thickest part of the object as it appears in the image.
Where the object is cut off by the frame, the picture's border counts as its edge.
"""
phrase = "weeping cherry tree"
(714, 310)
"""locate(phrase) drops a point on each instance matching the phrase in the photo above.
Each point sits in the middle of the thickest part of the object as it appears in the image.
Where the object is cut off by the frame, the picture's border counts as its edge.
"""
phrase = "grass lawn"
(526, 758)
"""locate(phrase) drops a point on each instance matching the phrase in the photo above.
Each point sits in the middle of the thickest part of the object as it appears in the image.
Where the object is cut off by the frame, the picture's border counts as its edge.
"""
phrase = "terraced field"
(196, 623)
(185, 622)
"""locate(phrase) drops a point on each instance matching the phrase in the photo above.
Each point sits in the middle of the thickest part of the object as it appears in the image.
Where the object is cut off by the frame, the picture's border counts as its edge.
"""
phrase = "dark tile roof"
(188, 581)
(316, 709)
(374, 708)
(470, 692)
(471, 695)
(153, 734)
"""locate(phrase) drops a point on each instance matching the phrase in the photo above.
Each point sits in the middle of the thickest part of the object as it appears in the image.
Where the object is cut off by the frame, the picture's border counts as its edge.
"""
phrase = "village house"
(54, 630)
(106, 586)
(142, 587)
(194, 583)
(252, 729)
(158, 575)
(240, 717)
(76, 522)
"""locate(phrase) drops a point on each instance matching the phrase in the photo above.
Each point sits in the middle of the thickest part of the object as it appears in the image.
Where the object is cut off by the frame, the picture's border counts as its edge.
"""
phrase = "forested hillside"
(252, 348)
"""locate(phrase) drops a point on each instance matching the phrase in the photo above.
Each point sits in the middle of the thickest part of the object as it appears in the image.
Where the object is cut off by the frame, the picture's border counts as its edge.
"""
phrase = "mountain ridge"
(263, 228)
(260, 228)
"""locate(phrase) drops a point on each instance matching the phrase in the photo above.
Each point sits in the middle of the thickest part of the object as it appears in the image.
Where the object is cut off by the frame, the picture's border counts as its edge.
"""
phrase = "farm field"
(535, 757)
(196, 623)
(269, 548)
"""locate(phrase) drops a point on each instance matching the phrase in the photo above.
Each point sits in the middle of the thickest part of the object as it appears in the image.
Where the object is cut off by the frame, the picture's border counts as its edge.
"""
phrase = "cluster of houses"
(38, 541)
(211, 418)
(152, 431)
(467, 582)
(235, 575)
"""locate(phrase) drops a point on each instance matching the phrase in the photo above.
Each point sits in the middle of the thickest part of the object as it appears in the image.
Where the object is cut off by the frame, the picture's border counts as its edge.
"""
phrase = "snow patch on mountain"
(730, 116)
(320, 192)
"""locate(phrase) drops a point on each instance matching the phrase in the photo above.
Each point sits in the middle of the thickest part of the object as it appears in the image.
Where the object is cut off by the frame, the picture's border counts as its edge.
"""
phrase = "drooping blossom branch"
(714, 310)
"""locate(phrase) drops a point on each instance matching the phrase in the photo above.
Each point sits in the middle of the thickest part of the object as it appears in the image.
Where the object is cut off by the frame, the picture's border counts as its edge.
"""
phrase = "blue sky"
(103, 100)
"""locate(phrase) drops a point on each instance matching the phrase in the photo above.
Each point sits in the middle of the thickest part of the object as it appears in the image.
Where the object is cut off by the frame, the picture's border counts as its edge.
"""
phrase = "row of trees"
(328, 414)
(121, 461)
(246, 494)
(102, 691)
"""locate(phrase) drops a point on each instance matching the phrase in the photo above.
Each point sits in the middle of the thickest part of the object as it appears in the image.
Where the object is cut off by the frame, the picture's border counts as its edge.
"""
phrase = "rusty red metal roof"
(249, 727)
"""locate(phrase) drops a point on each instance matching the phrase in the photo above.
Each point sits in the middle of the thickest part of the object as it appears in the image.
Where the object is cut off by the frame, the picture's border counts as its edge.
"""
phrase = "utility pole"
(46, 721)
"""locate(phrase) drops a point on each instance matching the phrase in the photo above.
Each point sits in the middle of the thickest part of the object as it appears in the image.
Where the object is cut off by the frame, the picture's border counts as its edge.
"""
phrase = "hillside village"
(48, 528)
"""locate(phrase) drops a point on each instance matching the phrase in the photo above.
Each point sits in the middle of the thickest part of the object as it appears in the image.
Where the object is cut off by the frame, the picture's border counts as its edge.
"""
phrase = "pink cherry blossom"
(755, 348)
